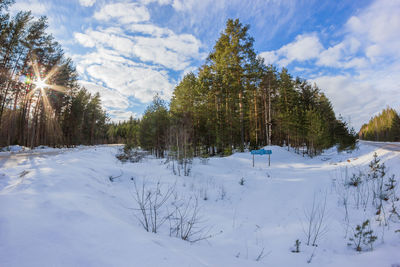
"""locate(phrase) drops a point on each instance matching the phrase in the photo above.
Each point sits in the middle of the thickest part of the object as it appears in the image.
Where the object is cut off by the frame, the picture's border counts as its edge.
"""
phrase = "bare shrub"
(222, 192)
(315, 221)
(261, 255)
(185, 221)
(113, 178)
(130, 154)
(150, 202)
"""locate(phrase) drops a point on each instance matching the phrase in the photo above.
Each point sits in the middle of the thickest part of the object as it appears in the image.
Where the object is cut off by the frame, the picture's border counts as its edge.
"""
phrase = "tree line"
(235, 101)
(382, 127)
(41, 102)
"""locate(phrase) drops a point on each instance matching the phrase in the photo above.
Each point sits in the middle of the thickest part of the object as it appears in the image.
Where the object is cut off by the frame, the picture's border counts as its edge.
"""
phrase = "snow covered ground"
(64, 210)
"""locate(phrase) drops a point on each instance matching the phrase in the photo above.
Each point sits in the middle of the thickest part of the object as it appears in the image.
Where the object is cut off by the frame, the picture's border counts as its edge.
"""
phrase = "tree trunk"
(241, 120)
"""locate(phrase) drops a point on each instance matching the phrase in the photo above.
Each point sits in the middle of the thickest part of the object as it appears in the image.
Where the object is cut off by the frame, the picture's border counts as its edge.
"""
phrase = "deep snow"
(63, 210)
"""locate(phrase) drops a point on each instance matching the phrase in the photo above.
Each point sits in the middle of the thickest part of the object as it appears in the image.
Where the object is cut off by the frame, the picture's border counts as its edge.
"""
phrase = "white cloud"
(107, 38)
(161, 46)
(101, 56)
(174, 52)
(305, 47)
(361, 96)
(342, 55)
(110, 98)
(124, 77)
(331, 56)
(140, 82)
(270, 57)
(149, 29)
(87, 3)
(84, 39)
(123, 13)
(121, 115)
(377, 27)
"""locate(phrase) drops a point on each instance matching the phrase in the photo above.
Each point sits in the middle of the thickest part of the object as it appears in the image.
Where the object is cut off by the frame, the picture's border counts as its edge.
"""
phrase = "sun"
(40, 84)
(43, 85)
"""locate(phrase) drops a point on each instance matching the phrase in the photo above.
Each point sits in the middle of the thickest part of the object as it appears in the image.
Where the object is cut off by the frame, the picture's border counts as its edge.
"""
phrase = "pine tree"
(154, 127)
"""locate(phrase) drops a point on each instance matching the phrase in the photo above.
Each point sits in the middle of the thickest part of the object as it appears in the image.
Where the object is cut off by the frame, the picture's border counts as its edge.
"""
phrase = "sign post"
(269, 160)
(262, 152)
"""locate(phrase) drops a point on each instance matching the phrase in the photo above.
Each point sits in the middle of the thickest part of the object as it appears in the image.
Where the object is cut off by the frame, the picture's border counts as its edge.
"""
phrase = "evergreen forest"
(383, 127)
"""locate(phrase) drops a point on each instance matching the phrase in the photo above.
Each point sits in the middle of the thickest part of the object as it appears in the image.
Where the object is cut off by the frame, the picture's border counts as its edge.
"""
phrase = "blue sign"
(261, 152)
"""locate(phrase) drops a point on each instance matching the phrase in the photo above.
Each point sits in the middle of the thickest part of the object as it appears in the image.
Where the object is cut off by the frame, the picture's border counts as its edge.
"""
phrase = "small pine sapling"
(355, 180)
(377, 174)
(390, 189)
(363, 237)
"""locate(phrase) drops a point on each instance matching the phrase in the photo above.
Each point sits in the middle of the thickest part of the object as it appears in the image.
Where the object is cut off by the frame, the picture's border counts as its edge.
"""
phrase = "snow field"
(63, 210)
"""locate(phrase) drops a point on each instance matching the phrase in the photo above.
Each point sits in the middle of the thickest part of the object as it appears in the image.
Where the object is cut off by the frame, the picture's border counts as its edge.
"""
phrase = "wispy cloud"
(87, 3)
(133, 59)
(123, 13)
(38, 8)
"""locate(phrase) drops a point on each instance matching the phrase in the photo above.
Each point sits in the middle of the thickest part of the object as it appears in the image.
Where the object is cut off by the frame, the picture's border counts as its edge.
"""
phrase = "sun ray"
(30, 94)
(58, 88)
(46, 103)
(35, 67)
(51, 73)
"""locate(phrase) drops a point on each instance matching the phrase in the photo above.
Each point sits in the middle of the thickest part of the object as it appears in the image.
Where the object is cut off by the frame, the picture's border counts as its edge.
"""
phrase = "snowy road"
(394, 146)
(15, 159)
(8, 160)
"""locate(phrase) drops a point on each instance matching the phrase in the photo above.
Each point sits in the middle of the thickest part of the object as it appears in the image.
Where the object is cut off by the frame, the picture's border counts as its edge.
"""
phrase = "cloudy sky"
(131, 50)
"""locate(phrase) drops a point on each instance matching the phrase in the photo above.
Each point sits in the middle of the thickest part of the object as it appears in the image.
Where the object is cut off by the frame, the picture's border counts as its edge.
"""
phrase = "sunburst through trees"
(41, 102)
(38, 95)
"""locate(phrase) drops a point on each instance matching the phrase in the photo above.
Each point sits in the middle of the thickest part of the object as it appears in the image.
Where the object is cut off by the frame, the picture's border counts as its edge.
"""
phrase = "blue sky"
(130, 50)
